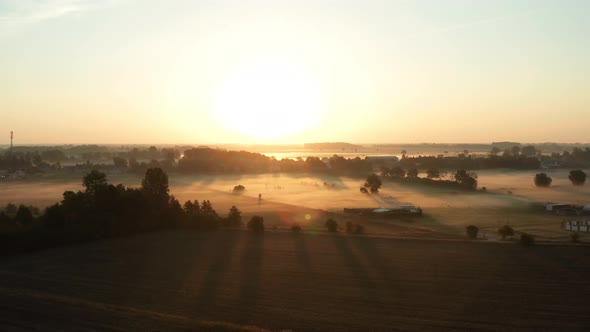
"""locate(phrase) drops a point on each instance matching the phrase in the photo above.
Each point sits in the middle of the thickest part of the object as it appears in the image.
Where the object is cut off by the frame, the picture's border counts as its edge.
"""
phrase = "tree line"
(104, 210)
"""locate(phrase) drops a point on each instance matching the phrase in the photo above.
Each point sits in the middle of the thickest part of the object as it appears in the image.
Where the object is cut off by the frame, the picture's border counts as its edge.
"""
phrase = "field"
(280, 281)
(308, 200)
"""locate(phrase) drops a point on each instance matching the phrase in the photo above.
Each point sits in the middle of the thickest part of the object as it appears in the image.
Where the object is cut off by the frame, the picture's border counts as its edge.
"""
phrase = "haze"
(288, 72)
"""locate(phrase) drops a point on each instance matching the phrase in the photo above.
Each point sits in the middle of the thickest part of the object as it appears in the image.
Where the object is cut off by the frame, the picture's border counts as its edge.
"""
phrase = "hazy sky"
(139, 71)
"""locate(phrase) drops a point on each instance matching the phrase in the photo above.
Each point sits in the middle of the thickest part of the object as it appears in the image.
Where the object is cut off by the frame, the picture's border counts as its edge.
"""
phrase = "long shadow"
(250, 272)
(367, 248)
(358, 271)
(220, 260)
(301, 252)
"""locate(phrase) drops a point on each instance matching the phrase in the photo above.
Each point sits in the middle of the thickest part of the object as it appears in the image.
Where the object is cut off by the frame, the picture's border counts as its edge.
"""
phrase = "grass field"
(280, 281)
(309, 200)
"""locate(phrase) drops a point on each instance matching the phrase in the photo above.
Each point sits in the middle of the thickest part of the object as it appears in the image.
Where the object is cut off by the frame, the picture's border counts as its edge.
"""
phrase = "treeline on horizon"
(217, 161)
(103, 210)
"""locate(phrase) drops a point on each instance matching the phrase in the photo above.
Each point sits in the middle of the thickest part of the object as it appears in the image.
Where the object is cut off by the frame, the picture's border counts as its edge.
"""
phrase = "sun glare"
(268, 100)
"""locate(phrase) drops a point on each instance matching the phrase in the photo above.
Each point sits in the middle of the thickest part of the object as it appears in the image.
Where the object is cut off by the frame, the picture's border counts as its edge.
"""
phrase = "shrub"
(527, 239)
(472, 231)
(574, 237)
(239, 189)
(256, 224)
(542, 180)
(364, 190)
(505, 231)
(295, 228)
(332, 225)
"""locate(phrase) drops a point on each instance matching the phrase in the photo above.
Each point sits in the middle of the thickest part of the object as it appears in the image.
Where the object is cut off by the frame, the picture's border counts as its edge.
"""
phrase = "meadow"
(309, 200)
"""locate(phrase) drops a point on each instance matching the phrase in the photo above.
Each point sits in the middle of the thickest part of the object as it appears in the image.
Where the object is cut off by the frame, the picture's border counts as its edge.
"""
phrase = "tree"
(155, 183)
(505, 231)
(472, 231)
(120, 162)
(495, 151)
(515, 150)
(468, 180)
(542, 180)
(527, 239)
(234, 217)
(295, 228)
(412, 173)
(397, 172)
(373, 183)
(529, 151)
(24, 216)
(94, 181)
(256, 224)
(577, 177)
(331, 225)
(432, 173)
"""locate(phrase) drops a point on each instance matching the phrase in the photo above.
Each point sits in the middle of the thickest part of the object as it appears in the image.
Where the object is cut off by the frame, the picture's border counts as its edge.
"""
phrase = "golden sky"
(130, 71)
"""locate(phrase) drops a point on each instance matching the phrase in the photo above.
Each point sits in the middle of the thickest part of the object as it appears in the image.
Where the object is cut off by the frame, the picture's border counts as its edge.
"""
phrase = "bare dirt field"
(174, 280)
(308, 200)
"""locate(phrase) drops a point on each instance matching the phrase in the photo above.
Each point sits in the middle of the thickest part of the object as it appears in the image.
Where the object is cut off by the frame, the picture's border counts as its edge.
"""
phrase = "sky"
(282, 72)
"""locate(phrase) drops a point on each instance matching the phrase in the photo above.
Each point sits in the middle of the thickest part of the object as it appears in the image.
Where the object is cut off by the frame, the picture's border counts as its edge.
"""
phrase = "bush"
(527, 239)
(542, 180)
(256, 224)
(577, 177)
(332, 225)
(295, 228)
(505, 231)
(364, 190)
(472, 231)
(574, 237)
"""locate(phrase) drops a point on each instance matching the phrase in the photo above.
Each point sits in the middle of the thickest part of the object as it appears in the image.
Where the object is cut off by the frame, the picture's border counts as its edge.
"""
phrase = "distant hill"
(331, 146)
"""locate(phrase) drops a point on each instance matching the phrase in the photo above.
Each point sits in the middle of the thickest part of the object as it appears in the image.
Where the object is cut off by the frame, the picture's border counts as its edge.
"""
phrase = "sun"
(267, 100)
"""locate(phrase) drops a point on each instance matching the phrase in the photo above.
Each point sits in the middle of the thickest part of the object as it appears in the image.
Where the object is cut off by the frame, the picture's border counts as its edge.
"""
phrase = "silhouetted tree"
(234, 217)
(529, 151)
(542, 180)
(505, 231)
(472, 231)
(373, 183)
(432, 173)
(295, 228)
(527, 239)
(94, 181)
(577, 177)
(256, 224)
(331, 225)
(412, 173)
(120, 162)
(465, 179)
(24, 215)
(155, 183)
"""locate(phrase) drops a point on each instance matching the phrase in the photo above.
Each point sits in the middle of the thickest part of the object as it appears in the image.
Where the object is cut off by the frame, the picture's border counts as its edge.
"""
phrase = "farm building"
(401, 210)
(577, 225)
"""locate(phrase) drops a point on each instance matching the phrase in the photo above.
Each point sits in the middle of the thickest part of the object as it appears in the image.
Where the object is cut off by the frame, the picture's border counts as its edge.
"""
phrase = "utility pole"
(11, 137)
